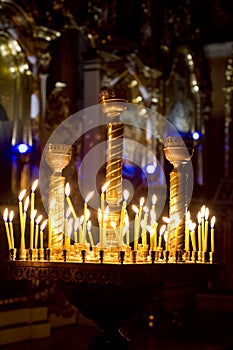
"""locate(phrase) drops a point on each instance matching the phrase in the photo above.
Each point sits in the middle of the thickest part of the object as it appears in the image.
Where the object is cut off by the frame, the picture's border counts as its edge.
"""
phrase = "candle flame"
(26, 204)
(44, 223)
(142, 200)
(34, 185)
(212, 221)
(135, 209)
(67, 189)
(21, 195)
(162, 230)
(76, 223)
(154, 199)
(89, 196)
(11, 216)
(126, 195)
(199, 217)
(192, 225)
(105, 186)
(146, 209)
(206, 213)
(89, 225)
(5, 214)
(33, 214)
(165, 236)
(166, 219)
(81, 219)
(38, 219)
(203, 211)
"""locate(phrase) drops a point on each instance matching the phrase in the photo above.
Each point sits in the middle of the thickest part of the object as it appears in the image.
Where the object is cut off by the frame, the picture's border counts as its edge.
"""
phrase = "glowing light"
(150, 169)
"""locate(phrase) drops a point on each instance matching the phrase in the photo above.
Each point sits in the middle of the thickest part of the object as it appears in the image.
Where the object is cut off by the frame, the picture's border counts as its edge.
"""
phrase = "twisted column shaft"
(56, 213)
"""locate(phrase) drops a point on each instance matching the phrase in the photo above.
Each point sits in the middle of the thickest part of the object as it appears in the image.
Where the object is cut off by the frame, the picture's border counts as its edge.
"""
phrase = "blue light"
(150, 169)
(196, 135)
(22, 148)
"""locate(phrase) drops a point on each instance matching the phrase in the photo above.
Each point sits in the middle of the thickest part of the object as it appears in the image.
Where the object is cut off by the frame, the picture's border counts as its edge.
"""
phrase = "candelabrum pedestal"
(110, 294)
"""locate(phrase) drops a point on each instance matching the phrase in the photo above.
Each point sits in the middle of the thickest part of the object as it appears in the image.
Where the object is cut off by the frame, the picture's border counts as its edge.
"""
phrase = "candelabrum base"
(22, 254)
(12, 253)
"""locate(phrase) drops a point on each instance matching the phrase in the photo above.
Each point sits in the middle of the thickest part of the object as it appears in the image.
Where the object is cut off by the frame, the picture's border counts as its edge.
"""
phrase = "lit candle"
(38, 220)
(136, 226)
(212, 223)
(90, 234)
(206, 228)
(203, 227)
(67, 193)
(161, 232)
(144, 226)
(199, 230)
(33, 215)
(42, 227)
(5, 218)
(192, 227)
(11, 217)
(26, 204)
(167, 221)
(142, 200)
(21, 196)
(150, 229)
(32, 205)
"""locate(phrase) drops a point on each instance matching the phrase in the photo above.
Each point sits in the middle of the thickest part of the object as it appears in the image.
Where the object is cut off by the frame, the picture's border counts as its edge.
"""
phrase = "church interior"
(133, 100)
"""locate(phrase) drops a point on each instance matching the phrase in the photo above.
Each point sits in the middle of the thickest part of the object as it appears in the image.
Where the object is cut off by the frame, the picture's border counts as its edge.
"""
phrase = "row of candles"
(144, 223)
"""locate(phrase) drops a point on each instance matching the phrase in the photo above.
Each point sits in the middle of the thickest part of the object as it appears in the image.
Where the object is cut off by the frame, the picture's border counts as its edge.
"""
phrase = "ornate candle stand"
(109, 294)
(109, 285)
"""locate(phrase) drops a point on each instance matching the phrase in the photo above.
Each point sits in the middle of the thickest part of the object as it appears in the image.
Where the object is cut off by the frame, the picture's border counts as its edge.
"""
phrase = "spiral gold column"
(178, 155)
(113, 106)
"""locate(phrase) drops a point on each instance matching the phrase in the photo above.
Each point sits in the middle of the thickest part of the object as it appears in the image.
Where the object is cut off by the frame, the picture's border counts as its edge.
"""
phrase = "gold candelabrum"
(117, 241)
